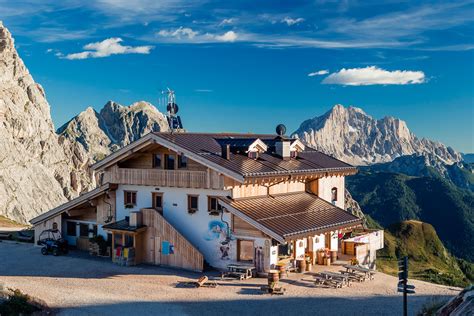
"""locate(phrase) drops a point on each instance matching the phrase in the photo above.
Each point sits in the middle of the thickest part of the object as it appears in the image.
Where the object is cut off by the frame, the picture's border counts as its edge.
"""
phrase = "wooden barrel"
(333, 256)
(281, 269)
(320, 257)
(301, 265)
(327, 261)
(273, 277)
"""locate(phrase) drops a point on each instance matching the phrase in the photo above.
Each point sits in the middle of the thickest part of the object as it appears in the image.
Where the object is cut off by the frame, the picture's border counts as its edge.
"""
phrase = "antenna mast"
(174, 121)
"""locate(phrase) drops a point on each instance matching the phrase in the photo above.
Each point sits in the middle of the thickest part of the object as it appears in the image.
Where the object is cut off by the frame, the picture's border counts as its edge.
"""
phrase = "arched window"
(334, 195)
(55, 225)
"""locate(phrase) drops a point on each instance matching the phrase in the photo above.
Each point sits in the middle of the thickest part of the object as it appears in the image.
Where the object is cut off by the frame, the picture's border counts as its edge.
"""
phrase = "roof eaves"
(70, 204)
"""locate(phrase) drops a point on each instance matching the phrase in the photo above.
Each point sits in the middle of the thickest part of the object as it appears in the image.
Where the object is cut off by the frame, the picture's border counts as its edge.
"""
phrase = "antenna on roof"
(174, 121)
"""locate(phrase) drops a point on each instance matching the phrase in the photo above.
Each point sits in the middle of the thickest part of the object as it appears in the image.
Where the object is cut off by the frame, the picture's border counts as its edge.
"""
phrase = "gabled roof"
(290, 216)
(207, 149)
(72, 204)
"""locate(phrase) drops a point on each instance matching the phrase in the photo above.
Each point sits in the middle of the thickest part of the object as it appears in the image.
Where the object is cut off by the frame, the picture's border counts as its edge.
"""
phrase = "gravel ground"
(80, 285)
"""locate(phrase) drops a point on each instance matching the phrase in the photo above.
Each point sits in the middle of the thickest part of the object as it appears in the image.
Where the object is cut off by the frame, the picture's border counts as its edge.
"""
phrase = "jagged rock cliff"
(113, 127)
(38, 169)
(357, 138)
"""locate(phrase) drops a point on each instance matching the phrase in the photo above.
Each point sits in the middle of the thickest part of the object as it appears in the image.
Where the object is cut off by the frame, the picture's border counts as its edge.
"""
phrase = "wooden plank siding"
(167, 178)
(185, 255)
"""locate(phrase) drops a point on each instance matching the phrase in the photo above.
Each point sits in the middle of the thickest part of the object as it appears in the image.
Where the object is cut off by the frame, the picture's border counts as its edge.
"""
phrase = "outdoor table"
(242, 268)
(337, 276)
(367, 272)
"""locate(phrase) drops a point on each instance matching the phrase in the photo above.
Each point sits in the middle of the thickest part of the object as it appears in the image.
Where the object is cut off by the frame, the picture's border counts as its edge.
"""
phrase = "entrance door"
(157, 201)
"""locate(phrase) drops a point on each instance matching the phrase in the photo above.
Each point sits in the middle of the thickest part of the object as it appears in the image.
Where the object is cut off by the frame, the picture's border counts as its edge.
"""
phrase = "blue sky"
(247, 65)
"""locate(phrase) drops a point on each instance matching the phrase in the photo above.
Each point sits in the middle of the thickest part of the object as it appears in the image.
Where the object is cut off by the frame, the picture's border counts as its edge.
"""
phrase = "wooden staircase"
(160, 233)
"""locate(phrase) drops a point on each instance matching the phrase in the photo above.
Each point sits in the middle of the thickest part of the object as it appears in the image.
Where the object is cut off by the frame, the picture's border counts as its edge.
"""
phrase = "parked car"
(52, 242)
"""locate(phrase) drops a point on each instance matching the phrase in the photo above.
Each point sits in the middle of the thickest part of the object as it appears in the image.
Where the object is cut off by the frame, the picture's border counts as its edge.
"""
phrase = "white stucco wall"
(325, 186)
(318, 242)
(206, 232)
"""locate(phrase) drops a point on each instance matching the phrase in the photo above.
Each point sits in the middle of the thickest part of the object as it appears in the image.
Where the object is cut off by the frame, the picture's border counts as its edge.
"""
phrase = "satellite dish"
(172, 107)
(280, 129)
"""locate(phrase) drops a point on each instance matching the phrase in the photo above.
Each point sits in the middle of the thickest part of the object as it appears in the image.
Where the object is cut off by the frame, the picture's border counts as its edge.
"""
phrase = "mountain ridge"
(359, 139)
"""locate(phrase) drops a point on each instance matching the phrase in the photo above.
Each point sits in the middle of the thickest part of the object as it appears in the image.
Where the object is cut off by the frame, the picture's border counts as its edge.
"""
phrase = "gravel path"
(79, 285)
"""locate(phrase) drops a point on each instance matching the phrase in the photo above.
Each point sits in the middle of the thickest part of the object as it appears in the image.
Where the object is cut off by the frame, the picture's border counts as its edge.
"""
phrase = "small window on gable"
(213, 205)
(193, 203)
(130, 198)
(157, 161)
(182, 161)
(334, 195)
(169, 162)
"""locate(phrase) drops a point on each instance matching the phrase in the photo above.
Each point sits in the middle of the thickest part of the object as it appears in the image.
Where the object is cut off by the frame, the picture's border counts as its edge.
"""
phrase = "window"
(253, 154)
(71, 229)
(84, 230)
(169, 162)
(55, 225)
(182, 161)
(157, 200)
(94, 230)
(157, 161)
(213, 206)
(128, 241)
(245, 250)
(293, 154)
(334, 195)
(193, 203)
(130, 198)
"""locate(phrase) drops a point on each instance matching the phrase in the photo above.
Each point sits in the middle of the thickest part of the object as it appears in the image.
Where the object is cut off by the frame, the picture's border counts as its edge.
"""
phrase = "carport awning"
(74, 203)
(290, 216)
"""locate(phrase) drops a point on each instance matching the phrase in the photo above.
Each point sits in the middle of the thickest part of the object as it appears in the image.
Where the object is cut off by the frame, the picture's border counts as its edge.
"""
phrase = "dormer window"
(296, 147)
(256, 148)
(253, 154)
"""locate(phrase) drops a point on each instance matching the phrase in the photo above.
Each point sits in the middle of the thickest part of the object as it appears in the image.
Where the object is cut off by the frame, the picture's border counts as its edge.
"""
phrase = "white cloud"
(229, 36)
(108, 47)
(289, 21)
(179, 33)
(373, 75)
(204, 90)
(187, 35)
(227, 21)
(318, 73)
(49, 50)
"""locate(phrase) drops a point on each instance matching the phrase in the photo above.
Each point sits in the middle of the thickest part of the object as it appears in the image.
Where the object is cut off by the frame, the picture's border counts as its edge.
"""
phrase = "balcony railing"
(167, 178)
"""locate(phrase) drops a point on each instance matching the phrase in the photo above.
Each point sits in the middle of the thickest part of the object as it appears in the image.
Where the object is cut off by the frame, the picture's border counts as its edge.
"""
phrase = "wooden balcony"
(165, 178)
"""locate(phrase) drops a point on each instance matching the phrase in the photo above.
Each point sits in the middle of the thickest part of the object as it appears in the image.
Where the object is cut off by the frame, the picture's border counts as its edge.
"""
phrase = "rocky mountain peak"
(38, 169)
(113, 127)
(357, 138)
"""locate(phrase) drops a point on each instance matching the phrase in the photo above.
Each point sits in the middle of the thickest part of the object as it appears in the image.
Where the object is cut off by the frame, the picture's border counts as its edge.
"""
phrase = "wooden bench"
(320, 280)
(235, 275)
(353, 276)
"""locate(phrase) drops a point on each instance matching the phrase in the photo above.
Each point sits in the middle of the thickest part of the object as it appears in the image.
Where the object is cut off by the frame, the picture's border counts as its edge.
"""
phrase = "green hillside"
(390, 198)
(428, 258)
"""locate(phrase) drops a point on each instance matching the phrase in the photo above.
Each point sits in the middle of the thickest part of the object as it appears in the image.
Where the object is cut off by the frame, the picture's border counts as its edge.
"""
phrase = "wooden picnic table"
(336, 276)
(369, 274)
(247, 270)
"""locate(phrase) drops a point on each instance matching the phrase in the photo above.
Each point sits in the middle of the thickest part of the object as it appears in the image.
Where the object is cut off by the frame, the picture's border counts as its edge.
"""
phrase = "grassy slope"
(428, 258)
(6, 222)
(390, 198)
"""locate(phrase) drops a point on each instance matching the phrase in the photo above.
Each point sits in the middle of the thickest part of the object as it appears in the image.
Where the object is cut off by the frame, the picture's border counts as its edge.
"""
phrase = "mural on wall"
(220, 232)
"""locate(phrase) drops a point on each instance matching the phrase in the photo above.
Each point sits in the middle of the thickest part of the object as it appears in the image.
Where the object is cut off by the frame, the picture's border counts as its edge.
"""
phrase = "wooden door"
(157, 250)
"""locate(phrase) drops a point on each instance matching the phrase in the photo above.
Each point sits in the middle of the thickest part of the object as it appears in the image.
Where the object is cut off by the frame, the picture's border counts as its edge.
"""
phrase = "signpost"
(403, 285)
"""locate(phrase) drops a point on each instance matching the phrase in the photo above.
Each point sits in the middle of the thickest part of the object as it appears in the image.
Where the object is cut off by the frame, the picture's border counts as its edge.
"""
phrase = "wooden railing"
(168, 178)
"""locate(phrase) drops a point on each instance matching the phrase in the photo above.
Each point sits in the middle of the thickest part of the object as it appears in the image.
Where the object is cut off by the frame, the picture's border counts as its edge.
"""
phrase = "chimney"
(225, 151)
(282, 144)
(282, 148)
(135, 219)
